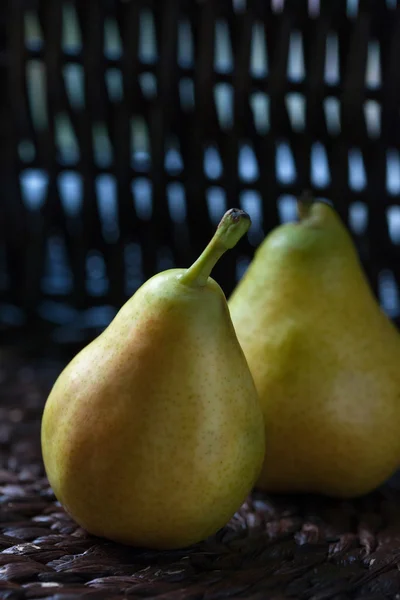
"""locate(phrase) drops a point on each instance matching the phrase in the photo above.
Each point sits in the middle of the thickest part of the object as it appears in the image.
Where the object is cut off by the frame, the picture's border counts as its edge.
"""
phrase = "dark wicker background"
(128, 127)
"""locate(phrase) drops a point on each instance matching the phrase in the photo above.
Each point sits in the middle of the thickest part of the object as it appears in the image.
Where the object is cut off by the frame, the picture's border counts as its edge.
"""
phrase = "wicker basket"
(128, 127)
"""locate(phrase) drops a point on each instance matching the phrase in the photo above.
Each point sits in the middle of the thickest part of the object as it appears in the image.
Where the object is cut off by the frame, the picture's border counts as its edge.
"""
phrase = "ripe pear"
(153, 434)
(324, 357)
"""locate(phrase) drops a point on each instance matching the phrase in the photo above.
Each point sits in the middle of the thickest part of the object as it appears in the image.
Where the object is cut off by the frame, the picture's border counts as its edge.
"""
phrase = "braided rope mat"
(307, 548)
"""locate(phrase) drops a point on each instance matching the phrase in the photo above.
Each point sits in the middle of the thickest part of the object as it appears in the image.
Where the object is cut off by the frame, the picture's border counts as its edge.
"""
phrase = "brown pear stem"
(304, 204)
(234, 224)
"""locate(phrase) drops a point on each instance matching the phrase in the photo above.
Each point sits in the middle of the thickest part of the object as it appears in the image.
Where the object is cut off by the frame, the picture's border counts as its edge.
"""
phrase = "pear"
(324, 357)
(153, 434)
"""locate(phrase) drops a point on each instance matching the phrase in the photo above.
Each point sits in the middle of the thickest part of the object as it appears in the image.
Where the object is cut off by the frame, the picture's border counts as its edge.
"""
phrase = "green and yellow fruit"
(153, 434)
(324, 357)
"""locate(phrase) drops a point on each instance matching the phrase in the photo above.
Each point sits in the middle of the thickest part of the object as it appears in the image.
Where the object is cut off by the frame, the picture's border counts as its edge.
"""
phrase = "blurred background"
(129, 127)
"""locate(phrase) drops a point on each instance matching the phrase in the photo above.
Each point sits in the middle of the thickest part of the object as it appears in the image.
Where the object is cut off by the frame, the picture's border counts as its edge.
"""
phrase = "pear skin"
(324, 357)
(153, 434)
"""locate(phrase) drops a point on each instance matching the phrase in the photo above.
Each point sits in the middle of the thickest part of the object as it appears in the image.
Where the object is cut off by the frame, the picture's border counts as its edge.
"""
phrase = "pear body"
(325, 360)
(153, 434)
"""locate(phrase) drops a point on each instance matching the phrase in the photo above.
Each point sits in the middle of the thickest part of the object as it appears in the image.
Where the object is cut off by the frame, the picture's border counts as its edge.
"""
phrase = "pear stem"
(304, 204)
(234, 224)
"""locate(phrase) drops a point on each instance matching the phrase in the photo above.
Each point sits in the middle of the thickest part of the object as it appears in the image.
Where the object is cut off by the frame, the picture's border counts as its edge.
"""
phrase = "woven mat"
(273, 548)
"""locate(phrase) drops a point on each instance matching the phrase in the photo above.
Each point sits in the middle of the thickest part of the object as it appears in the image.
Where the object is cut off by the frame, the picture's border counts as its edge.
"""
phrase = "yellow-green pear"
(324, 357)
(153, 434)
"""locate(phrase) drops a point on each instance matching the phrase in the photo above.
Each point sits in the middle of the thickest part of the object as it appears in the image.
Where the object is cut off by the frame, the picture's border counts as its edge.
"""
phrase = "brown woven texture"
(273, 548)
(130, 97)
